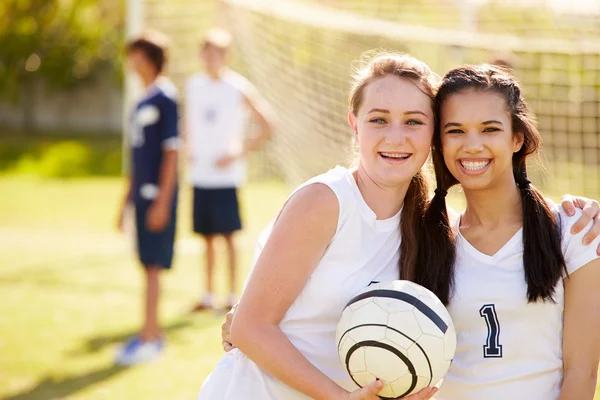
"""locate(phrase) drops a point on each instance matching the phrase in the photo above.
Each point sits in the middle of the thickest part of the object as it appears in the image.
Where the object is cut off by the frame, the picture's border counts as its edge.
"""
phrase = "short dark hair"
(154, 45)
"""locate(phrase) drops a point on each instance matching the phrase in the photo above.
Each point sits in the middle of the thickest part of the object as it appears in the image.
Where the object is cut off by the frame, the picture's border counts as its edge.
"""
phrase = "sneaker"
(136, 351)
(206, 303)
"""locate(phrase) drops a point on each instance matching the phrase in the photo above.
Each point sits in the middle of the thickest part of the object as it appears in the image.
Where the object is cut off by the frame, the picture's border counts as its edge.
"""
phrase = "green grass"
(70, 292)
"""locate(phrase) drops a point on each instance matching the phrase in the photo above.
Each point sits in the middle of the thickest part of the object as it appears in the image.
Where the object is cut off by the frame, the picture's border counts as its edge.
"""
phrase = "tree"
(59, 42)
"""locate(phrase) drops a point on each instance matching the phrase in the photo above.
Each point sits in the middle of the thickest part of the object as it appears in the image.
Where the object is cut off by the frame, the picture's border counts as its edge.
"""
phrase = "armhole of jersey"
(336, 184)
(339, 188)
(339, 219)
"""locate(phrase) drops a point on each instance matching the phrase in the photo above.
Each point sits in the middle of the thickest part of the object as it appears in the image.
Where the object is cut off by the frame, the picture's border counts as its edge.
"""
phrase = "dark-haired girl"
(523, 290)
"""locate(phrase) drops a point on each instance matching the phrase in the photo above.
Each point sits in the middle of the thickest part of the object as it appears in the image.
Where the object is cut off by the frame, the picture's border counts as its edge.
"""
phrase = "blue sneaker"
(135, 351)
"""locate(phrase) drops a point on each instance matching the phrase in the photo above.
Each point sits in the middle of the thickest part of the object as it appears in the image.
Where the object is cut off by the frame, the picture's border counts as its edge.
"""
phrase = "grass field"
(70, 293)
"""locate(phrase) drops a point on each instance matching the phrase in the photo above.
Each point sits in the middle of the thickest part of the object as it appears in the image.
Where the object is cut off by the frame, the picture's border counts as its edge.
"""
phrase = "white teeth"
(396, 155)
(474, 165)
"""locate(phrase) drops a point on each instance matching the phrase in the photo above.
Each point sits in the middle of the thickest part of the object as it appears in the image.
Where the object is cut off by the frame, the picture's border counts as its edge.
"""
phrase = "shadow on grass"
(97, 343)
(58, 388)
(197, 322)
(50, 387)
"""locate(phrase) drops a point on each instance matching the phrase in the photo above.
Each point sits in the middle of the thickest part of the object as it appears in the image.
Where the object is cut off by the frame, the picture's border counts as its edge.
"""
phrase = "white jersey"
(216, 120)
(508, 348)
(363, 250)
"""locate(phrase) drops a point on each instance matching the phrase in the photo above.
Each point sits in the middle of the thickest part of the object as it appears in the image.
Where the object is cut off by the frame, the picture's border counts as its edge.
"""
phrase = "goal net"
(300, 55)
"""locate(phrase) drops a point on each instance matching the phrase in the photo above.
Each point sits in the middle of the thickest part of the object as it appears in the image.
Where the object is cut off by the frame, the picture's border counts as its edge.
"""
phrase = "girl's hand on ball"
(423, 394)
(368, 392)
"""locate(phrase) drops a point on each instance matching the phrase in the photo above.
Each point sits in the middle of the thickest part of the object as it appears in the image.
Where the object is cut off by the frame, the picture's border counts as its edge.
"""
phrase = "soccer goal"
(300, 53)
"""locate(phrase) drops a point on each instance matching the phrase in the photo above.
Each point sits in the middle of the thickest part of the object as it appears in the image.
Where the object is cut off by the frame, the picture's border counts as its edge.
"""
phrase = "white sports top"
(216, 119)
(362, 250)
(508, 348)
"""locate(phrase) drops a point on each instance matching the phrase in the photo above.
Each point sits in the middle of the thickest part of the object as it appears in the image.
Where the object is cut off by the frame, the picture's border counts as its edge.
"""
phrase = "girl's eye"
(378, 121)
(491, 129)
(414, 122)
(455, 131)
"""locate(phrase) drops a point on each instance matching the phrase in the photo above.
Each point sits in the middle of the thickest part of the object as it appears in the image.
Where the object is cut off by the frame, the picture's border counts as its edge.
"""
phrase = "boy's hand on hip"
(226, 160)
(158, 216)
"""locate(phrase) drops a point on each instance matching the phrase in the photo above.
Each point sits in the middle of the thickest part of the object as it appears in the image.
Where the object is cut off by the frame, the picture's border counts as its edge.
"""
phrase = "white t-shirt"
(508, 348)
(362, 250)
(216, 119)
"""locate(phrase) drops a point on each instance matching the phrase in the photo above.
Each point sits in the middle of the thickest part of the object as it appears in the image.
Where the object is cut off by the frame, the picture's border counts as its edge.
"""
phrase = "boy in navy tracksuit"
(153, 138)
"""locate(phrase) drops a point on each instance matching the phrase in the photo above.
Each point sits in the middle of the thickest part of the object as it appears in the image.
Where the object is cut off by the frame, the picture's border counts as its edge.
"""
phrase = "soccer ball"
(398, 332)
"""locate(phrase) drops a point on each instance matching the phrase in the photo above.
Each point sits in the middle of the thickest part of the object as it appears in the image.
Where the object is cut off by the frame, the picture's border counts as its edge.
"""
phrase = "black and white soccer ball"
(398, 332)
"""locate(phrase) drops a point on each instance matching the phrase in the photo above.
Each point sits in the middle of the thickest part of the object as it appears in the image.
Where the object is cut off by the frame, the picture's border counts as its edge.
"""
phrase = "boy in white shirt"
(219, 104)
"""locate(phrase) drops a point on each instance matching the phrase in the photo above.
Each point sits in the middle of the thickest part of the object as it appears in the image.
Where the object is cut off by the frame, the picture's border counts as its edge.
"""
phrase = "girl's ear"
(518, 140)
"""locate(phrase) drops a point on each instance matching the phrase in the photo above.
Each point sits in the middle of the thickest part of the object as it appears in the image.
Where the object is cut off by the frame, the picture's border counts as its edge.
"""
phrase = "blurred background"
(70, 286)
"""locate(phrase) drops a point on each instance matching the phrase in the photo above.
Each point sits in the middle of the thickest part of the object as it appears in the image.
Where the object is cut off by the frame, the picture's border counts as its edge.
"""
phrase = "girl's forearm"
(271, 350)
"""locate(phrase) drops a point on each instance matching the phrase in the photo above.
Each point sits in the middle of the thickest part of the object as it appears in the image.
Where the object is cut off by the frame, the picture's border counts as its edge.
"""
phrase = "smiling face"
(393, 127)
(477, 139)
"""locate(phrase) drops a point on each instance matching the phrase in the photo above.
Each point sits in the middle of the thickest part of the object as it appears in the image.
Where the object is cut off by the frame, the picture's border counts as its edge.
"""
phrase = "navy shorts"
(154, 248)
(216, 211)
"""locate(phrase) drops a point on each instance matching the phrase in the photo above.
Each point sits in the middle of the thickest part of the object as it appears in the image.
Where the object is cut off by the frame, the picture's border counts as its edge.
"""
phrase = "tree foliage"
(61, 42)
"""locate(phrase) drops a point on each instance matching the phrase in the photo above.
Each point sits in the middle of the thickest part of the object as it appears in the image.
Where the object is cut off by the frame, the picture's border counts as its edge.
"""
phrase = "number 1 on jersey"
(492, 347)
